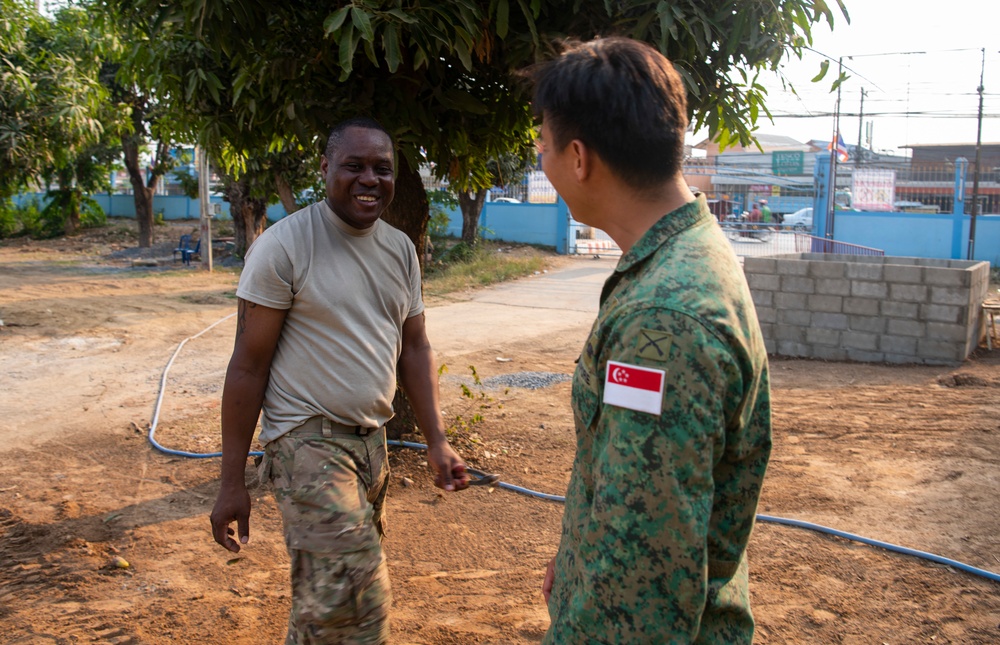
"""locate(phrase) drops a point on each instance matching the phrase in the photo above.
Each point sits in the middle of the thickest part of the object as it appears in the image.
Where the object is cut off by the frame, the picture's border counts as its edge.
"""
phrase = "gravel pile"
(526, 380)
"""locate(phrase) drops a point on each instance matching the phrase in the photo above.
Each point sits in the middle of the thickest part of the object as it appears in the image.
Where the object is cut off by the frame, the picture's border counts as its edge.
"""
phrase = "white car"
(800, 220)
(507, 200)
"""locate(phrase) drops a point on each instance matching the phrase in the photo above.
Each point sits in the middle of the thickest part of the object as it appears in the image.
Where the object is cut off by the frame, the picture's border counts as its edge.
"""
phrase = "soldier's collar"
(665, 228)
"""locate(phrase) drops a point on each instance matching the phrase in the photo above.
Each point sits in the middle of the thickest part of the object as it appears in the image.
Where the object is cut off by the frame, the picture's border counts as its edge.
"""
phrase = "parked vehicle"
(800, 220)
(745, 227)
(507, 200)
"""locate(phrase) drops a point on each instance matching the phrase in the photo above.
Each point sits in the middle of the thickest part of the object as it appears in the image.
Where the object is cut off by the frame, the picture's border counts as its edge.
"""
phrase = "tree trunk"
(472, 206)
(285, 193)
(410, 210)
(141, 195)
(249, 214)
(71, 201)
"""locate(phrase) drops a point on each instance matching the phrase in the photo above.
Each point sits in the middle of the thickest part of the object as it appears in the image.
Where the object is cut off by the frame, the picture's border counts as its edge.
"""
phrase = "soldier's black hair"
(337, 132)
(623, 99)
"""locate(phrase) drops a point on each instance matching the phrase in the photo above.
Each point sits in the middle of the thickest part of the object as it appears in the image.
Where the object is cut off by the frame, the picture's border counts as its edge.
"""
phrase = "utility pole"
(206, 215)
(832, 197)
(979, 160)
(861, 120)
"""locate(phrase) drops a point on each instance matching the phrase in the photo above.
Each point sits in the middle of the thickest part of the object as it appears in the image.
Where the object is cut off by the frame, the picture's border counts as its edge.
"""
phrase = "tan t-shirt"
(347, 293)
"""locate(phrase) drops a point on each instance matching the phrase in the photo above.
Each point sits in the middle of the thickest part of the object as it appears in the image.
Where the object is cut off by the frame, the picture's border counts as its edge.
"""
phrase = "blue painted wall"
(173, 206)
(943, 236)
(916, 235)
(525, 223)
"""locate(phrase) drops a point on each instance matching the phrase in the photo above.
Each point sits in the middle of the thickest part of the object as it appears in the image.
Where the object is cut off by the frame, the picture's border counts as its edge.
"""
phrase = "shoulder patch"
(654, 345)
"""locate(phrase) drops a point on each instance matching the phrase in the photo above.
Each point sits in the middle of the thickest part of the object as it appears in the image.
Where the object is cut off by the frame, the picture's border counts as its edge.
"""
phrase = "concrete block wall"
(868, 308)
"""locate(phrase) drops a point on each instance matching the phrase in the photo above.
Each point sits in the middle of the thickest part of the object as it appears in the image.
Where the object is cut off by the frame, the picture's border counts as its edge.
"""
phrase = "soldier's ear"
(583, 159)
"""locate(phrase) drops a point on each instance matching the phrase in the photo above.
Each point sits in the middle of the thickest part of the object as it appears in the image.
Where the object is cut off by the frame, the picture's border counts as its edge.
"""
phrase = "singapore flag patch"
(634, 387)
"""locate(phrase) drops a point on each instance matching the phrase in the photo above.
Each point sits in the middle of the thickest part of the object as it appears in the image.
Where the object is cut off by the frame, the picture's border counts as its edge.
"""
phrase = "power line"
(921, 114)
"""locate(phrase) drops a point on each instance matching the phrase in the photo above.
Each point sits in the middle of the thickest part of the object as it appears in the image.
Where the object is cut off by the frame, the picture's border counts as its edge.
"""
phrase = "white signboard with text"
(873, 189)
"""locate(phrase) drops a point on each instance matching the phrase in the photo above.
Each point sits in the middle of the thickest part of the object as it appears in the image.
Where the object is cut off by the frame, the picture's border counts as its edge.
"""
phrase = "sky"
(911, 98)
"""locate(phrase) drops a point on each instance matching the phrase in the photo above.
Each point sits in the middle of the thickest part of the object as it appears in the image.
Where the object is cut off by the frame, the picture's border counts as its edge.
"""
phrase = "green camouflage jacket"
(673, 438)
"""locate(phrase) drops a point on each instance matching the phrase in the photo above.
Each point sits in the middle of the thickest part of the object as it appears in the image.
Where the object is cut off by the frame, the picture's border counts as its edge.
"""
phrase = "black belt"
(329, 427)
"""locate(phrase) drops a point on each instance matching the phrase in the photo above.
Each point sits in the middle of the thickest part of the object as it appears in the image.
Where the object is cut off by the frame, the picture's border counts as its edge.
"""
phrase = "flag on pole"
(841, 148)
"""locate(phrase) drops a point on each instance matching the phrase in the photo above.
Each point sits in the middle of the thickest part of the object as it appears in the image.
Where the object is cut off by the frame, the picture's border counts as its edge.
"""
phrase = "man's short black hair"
(623, 99)
(337, 132)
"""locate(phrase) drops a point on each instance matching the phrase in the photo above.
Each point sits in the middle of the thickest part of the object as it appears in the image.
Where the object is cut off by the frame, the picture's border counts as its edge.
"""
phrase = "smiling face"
(360, 182)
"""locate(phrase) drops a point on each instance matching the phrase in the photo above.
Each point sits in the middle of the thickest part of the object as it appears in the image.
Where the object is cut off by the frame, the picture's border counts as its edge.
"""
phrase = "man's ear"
(583, 159)
(323, 164)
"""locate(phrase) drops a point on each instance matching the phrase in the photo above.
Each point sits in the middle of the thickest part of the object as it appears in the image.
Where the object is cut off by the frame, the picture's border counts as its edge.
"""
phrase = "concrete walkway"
(563, 299)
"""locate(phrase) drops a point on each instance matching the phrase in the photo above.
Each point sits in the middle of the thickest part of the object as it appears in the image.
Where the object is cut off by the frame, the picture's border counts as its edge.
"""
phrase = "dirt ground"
(903, 454)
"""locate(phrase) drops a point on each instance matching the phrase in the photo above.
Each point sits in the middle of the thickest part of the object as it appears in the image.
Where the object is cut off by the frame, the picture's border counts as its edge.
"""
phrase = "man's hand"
(232, 505)
(550, 576)
(449, 469)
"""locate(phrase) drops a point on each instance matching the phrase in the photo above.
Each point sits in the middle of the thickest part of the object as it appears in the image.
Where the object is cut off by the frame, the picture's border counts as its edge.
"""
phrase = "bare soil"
(903, 454)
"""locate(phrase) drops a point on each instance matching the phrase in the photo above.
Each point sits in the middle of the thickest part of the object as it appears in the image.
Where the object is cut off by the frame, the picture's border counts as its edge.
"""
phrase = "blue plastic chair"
(186, 250)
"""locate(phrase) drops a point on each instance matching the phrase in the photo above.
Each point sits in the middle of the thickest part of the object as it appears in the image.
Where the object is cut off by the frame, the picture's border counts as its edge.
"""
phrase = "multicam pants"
(331, 487)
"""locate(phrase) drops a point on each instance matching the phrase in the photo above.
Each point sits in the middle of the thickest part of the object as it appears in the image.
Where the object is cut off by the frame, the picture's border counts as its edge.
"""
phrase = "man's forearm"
(242, 398)
(419, 381)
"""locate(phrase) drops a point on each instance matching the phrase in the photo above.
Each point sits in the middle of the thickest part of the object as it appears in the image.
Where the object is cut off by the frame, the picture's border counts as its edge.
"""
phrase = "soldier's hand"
(232, 505)
(550, 576)
(449, 469)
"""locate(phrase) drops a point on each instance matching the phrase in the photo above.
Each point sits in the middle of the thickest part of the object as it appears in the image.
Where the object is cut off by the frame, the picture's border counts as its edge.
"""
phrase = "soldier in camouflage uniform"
(329, 312)
(670, 396)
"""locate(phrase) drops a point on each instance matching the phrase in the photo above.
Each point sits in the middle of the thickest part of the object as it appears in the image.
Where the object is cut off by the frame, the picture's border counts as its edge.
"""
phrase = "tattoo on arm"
(241, 317)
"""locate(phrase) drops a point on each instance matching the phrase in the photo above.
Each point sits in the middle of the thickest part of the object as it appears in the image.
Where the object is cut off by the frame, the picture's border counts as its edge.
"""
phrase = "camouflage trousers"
(331, 487)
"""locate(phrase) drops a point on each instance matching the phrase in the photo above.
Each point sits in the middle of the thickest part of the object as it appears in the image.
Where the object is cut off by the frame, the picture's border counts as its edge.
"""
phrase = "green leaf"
(462, 50)
(347, 46)
(335, 20)
(192, 82)
(402, 16)
(290, 111)
(214, 91)
(390, 43)
(362, 23)
(239, 83)
(419, 58)
(824, 67)
(503, 18)
(530, 17)
(370, 52)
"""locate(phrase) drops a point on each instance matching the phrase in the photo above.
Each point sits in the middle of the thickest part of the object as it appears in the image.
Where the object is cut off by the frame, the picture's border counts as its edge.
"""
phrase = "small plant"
(476, 402)
(159, 219)
(441, 201)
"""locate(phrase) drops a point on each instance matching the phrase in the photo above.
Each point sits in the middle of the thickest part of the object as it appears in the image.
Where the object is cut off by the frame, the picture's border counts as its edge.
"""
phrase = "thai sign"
(873, 189)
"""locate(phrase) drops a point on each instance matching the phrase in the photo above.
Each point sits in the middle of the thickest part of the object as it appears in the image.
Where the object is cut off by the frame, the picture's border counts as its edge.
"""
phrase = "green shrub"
(91, 214)
(460, 252)
(37, 221)
(10, 224)
(440, 202)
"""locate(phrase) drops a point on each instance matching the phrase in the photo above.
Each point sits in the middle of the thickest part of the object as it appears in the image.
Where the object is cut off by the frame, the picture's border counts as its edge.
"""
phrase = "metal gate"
(746, 240)
(587, 240)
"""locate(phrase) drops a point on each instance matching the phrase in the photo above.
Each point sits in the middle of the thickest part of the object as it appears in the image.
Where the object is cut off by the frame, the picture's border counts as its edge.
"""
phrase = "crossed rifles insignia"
(654, 345)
